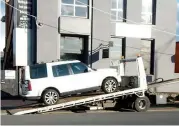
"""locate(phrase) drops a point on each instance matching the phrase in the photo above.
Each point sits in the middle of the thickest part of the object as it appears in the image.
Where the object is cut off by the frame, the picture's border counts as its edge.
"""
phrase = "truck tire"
(141, 104)
(50, 97)
(110, 85)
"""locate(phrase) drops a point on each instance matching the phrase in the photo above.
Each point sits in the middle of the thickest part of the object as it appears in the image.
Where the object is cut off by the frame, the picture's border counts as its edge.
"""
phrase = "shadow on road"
(14, 102)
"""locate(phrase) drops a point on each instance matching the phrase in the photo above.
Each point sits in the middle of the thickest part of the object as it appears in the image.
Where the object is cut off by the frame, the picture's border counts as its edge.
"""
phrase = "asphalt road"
(117, 118)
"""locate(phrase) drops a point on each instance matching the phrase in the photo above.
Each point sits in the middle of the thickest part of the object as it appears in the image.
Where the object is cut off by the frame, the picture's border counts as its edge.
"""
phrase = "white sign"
(133, 30)
(10, 74)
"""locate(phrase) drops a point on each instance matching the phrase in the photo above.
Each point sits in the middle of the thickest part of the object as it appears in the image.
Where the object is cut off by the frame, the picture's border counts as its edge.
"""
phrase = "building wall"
(166, 15)
(48, 36)
(164, 43)
(101, 30)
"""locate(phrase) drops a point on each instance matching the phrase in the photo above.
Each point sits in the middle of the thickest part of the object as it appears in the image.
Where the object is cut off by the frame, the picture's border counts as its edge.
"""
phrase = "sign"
(23, 20)
(10, 74)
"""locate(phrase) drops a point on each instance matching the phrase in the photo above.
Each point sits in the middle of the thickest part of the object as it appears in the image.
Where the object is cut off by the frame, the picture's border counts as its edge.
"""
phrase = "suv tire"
(110, 85)
(50, 97)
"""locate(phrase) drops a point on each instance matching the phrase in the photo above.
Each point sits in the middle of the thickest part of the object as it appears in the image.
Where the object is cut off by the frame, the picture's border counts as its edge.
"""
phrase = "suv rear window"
(38, 71)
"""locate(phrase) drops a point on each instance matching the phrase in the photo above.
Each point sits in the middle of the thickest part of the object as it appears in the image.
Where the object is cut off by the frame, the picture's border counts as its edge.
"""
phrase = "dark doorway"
(74, 47)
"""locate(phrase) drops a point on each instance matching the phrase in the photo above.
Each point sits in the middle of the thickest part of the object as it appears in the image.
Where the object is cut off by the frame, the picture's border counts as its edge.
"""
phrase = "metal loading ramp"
(152, 87)
(138, 91)
(163, 83)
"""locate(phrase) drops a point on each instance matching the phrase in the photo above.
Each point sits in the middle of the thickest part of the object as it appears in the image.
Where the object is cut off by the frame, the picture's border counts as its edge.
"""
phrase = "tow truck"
(133, 93)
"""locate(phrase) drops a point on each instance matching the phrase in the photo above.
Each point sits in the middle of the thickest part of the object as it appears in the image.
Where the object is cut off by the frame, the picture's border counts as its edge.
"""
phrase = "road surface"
(14, 103)
(116, 118)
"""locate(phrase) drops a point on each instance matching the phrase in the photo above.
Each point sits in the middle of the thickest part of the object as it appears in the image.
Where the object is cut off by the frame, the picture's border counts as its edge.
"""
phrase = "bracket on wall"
(111, 43)
(59, 25)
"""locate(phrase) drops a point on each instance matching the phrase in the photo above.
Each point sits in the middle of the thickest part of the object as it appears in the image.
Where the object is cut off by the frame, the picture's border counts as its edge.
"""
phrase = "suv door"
(62, 78)
(82, 78)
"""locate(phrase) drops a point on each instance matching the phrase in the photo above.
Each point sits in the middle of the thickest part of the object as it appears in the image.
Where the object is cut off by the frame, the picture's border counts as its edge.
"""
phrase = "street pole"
(91, 32)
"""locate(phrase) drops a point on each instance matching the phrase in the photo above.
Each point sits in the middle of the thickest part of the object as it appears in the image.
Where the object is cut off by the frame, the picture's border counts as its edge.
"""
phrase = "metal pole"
(91, 32)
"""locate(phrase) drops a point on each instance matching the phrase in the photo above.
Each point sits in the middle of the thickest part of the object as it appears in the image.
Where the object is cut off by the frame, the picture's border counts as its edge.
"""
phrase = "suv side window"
(60, 70)
(38, 71)
(78, 68)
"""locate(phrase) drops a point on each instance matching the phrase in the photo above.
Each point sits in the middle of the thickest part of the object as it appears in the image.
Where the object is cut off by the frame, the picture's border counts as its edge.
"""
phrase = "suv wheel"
(50, 97)
(110, 85)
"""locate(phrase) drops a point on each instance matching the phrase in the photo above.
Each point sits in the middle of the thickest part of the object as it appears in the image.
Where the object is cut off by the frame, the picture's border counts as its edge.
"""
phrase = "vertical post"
(17, 81)
(91, 33)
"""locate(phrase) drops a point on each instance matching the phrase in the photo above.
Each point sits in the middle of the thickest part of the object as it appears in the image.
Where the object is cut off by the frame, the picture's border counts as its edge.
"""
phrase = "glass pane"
(81, 2)
(120, 16)
(115, 54)
(146, 54)
(68, 1)
(147, 6)
(67, 10)
(113, 15)
(120, 4)
(114, 4)
(73, 44)
(60, 70)
(116, 50)
(69, 56)
(105, 53)
(38, 71)
(62, 39)
(81, 11)
(147, 18)
(117, 41)
(78, 68)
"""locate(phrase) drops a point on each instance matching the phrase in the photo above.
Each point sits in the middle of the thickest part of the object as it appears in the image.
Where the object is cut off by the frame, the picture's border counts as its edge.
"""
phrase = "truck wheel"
(142, 104)
(50, 97)
(110, 85)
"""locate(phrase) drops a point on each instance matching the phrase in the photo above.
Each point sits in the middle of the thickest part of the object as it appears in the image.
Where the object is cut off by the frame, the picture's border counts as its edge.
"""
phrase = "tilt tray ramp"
(82, 101)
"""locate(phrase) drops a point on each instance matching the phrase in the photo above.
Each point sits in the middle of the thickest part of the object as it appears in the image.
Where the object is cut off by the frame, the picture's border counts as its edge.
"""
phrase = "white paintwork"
(172, 87)
(141, 89)
(133, 30)
(141, 73)
(81, 101)
(161, 99)
(21, 38)
(68, 83)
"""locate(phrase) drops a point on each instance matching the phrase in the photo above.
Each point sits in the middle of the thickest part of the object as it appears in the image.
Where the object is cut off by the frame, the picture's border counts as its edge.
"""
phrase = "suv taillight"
(29, 86)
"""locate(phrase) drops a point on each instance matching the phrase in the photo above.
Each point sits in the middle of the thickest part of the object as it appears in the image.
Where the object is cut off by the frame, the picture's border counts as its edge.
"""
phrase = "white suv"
(49, 81)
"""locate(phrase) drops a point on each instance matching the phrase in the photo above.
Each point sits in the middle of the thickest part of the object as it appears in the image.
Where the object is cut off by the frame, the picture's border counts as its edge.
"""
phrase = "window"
(38, 71)
(148, 11)
(117, 10)
(60, 70)
(79, 68)
(76, 8)
(116, 50)
(71, 44)
(105, 53)
(146, 54)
